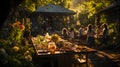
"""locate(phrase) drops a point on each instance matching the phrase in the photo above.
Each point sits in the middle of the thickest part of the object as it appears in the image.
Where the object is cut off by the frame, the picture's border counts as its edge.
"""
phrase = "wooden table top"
(87, 50)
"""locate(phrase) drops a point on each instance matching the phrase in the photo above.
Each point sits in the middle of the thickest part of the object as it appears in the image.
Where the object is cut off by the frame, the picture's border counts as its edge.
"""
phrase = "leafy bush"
(18, 49)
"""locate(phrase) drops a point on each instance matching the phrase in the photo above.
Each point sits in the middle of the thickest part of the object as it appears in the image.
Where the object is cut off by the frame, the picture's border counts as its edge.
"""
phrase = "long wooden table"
(60, 58)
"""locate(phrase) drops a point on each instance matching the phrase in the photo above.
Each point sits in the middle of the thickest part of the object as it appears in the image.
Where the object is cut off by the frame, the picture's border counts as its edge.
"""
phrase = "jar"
(52, 47)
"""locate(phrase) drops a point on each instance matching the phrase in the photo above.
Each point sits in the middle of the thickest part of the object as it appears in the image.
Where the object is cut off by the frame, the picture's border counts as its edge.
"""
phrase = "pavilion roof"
(113, 6)
(52, 9)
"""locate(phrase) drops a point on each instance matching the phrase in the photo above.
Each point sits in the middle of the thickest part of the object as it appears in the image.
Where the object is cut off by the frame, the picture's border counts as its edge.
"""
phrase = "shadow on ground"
(104, 59)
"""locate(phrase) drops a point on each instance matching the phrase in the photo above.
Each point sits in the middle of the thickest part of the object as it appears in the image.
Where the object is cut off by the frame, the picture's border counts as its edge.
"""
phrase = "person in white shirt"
(90, 36)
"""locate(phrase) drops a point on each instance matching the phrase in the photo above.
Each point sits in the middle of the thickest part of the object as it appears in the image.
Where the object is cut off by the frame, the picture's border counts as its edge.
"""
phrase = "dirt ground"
(105, 58)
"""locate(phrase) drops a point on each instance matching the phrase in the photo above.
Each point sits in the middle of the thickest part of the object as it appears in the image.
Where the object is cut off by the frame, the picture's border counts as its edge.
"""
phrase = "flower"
(28, 57)
(26, 53)
(19, 25)
(16, 24)
(16, 48)
(22, 27)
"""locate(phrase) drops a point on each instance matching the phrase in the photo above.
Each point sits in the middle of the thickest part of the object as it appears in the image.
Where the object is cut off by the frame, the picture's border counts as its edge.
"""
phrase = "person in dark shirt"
(104, 34)
(64, 33)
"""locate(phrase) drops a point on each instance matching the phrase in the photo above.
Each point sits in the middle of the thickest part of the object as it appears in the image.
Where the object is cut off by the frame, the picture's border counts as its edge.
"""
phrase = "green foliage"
(103, 18)
(45, 2)
(15, 35)
(94, 6)
(16, 48)
(87, 9)
(30, 5)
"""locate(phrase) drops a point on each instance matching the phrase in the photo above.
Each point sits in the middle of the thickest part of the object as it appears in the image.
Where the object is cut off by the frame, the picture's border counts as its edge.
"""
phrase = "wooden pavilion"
(113, 13)
(51, 14)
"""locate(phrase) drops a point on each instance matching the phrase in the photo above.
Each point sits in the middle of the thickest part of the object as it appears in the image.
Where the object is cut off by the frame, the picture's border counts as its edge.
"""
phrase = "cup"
(52, 47)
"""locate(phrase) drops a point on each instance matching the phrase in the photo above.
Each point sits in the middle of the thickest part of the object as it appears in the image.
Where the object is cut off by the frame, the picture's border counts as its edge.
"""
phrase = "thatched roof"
(52, 9)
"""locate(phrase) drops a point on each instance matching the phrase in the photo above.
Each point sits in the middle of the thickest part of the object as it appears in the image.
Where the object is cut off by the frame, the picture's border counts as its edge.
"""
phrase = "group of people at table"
(67, 55)
(88, 34)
